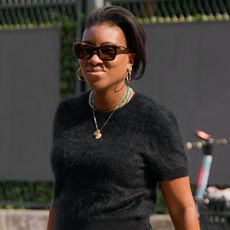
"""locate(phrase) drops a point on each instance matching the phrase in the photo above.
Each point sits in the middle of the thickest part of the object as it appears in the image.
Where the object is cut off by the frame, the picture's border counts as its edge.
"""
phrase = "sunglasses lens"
(83, 51)
(107, 52)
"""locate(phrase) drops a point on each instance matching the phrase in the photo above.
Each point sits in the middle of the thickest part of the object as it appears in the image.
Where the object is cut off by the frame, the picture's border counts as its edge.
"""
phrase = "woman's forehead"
(104, 33)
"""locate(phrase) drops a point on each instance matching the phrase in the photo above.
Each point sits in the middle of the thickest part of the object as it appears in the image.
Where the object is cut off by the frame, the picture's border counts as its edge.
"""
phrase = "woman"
(112, 146)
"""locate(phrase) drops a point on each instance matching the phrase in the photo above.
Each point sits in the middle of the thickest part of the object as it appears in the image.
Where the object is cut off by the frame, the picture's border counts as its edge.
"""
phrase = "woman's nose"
(95, 59)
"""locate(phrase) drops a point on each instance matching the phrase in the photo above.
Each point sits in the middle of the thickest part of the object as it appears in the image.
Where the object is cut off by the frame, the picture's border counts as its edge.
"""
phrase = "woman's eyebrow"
(102, 44)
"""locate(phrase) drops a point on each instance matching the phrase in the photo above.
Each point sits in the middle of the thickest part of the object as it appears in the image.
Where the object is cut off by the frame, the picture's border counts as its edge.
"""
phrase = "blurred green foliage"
(25, 194)
(160, 203)
(68, 63)
(38, 195)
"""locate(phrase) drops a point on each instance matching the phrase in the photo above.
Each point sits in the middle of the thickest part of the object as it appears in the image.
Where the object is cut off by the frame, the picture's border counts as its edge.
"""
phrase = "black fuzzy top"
(112, 179)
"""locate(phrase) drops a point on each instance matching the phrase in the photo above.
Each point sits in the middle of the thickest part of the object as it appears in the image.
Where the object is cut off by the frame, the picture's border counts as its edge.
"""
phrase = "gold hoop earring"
(128, 77)
(79, 75)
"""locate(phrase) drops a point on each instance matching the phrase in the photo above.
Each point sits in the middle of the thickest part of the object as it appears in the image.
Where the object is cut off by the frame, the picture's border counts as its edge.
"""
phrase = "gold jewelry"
(97, 134)
(79, 75)
(129, 75)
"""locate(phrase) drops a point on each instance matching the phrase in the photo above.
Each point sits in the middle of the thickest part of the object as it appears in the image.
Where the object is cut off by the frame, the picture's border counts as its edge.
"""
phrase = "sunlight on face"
(101, 74)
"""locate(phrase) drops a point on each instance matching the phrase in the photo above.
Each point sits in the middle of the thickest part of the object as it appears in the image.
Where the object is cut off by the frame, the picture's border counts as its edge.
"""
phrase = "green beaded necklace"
(128, 93)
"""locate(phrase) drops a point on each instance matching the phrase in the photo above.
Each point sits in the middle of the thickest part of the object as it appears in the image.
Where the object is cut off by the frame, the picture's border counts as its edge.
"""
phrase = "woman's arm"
(180, 202)
(50, 225)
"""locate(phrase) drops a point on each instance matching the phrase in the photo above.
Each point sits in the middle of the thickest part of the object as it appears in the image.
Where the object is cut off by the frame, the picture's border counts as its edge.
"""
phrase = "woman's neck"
(107, 100)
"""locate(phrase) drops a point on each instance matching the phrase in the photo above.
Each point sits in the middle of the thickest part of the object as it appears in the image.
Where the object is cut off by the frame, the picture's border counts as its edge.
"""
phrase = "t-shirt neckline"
(124, 107)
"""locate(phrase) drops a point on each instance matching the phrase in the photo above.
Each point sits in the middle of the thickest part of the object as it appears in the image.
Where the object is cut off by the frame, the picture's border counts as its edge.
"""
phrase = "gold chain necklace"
(97, 134)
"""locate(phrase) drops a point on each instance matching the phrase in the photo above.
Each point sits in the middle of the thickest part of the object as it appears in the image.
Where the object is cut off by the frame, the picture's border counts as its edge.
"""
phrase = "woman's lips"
(95, 70)
(94, 74)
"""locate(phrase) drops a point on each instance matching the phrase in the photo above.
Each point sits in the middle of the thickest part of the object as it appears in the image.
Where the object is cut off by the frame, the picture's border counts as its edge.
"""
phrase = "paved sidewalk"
(11, 219)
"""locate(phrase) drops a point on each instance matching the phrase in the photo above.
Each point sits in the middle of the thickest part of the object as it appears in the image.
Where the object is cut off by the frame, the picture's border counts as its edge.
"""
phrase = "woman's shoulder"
(159, 119)
(69, 112)
(74, 102)
(151, 106)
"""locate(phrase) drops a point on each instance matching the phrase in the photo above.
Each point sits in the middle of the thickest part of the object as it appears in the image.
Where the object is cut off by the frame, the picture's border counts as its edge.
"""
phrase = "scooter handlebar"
(200, 144)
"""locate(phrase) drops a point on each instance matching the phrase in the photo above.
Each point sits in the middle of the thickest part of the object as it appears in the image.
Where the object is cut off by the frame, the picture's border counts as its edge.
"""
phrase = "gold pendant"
(97, 134)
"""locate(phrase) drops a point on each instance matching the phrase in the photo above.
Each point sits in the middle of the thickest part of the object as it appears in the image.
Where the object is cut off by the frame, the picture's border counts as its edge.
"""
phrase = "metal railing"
(40, 13)
(151, 11)
(45, 13)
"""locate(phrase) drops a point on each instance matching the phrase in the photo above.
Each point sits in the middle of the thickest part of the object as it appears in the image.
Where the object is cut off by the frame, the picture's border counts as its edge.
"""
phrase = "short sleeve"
(172, 160)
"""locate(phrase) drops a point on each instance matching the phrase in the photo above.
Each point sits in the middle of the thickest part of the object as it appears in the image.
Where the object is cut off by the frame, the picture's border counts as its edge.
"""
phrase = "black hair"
(133, 31)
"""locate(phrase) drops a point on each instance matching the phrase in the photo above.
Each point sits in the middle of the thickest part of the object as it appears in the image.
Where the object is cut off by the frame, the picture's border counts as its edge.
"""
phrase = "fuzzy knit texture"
(110, 183)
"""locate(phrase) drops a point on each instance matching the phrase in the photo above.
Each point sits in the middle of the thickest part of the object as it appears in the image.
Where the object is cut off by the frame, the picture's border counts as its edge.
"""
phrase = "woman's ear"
(131, 58)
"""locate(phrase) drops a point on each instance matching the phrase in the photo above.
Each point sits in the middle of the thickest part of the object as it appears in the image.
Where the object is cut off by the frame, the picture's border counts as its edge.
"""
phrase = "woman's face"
(104, 75)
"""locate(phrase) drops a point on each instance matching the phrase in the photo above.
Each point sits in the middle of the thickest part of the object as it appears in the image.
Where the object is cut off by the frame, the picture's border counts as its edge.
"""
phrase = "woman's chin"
(97, 85)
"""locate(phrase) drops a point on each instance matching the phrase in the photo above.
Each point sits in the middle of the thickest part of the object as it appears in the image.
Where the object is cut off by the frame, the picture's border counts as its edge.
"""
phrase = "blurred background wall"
(29, 94)
(188, 72)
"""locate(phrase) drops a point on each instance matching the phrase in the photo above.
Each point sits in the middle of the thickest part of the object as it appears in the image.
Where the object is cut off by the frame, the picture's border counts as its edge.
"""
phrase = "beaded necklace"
(127, 96)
